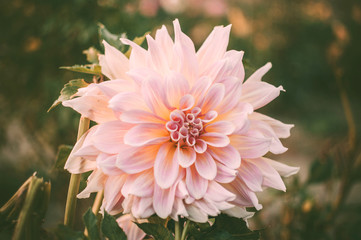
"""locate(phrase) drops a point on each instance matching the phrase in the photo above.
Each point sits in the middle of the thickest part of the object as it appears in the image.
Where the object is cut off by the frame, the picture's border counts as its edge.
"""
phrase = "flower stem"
(177, 230)
(74, 181)
(185, 229)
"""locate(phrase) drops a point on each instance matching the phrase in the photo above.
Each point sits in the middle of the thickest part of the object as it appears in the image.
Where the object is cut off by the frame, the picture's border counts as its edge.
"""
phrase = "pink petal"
(163, 200)
(178, 209)
(140, 185)
(224, 127)
(224, 173)
(165, 42)
(257, 75)
(238, 116)
(207, 207)
(200, 146)
(213, 47)
(138, 56)
(93, 107)
(142, 208)
(186, 56)
(186, 156)
(213, 98)
(95, 183)
(113, 63)
(126, 101)
(158, 58)
(106, 163)
(195, 214)
(215, 139)
(201, 87)
(140, 116)
(234, 64)
(136, 159)
(283, 169)
(154, 95)
(217, 193)
(239, 212)
(133, 232)
(177, 87)
(282, 130)
(112, 192)
(251, 176)
(251, 147)
(271, 177)
(148, 133)
(228, 155)
(166, 166)
(113, 87)
(231, 99)
(186, 102)
(109, 136)
(259, 94)
(196, 185)
(205, 165)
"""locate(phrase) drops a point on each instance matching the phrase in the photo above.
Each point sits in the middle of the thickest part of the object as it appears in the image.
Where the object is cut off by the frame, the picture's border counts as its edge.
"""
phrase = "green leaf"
(111, 229)
(137, 40)
(62, 156)
(112, 39)
(66, 233)
(92, 55)
(69, 90)
(94, 69)
(158, 231)
(90, 221)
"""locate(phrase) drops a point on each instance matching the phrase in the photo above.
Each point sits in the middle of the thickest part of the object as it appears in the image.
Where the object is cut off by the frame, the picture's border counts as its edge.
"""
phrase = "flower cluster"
(177, 130)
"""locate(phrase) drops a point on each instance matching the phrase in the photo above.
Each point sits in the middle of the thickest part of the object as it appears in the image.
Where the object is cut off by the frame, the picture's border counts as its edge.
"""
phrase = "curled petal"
(133, 232)
(200, 146)
(95, 183)
(186, 102)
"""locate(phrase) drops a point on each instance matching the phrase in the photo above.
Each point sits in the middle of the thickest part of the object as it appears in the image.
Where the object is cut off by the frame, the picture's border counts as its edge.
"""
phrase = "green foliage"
(111, 229)
(91, 224)
(157, 231)
(224, 228)
(62, 156)
(69, 90)
(63, 232)
(112, 39)
(321, 170)
(93, 69)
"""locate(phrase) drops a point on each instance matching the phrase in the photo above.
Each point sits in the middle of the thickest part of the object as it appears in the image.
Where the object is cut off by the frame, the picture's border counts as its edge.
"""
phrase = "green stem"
(185, 229)
(74, 181)
(177, 232)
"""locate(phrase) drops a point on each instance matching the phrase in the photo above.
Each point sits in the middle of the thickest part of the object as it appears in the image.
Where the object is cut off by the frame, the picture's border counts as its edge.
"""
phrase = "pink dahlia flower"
(177, 131)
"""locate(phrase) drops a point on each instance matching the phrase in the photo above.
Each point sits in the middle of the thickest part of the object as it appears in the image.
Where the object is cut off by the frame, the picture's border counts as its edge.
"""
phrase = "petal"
(201, 87)
(140, 116)
(165, 42)
(158, 58)
(113, 87)
(283, 169)
(186, 102)
(215, 139)
(213, 97)
(213, 47)
(93, 107)
(114, 63)
(239, 212)
(166, 166)
(140, 185)
(217, 193)
(178, 209)
(126, 101)
(205, 165)
(251, 176)
(133, 232)
(136, 159)
(186, 156)
(163, 200)
(257, 75)
(142, 208)
(259, 94)
(112, 192)
(271, 177)
(95, 183)
(196, 185)
(138, 55)
(200, 146)
(106, 163)
(228, 155)
(250, 147)
(195, 214)
(224, 173)
(224, 127)
(282, 130)
(109, 136)
(147, 133)
(177, 87)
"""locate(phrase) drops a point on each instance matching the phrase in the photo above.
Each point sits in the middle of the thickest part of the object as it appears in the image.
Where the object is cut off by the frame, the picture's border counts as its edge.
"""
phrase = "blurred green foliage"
(313, 45)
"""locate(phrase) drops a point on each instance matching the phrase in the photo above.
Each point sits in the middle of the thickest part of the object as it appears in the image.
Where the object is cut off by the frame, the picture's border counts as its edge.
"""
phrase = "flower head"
(177, 131)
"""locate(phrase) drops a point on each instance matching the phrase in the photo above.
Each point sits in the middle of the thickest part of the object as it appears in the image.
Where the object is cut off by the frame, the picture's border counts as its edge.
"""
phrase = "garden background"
(315, 50)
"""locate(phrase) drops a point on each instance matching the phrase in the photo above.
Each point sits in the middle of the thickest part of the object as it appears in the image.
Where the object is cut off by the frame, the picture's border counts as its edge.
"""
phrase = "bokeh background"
(314, 46)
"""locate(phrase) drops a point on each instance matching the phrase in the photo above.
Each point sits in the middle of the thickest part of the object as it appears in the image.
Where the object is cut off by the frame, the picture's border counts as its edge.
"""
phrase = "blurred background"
(314, 46)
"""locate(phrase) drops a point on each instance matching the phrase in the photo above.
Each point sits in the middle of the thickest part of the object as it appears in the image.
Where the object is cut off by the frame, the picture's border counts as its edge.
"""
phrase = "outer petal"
(177, 87)
(224, 173)
(163, 200)
(251, 147)
(196, 185)
(282, 130)
(228, 155)
(95, 183)
(113, 87)
(257, 75)
(140, 185)
(251, 176)
(283, 169)
(112, 193)
(133, 232)
(114, 64)
(126, 101)
(166, 166)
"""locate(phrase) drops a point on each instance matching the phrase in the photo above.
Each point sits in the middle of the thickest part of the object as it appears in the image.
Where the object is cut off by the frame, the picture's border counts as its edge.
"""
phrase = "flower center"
(185, 126)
